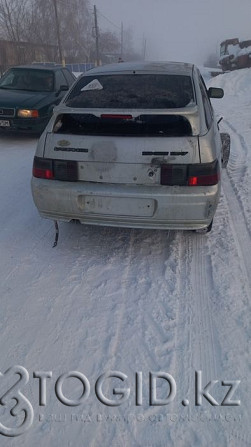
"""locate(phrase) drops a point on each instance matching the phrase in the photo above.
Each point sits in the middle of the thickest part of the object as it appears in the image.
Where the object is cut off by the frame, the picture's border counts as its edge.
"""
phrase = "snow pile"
(235, 108)
(243, 51)
(232, 50)
(235, 83)
(207, 72)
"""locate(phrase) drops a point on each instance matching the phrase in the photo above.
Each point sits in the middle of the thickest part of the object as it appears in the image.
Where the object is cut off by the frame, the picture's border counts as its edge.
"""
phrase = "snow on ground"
(126, 300)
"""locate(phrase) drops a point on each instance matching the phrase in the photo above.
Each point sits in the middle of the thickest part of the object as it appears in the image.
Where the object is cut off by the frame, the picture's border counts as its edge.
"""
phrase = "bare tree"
(34, 21)
(109, 43)
(13, 19)
(74, 26)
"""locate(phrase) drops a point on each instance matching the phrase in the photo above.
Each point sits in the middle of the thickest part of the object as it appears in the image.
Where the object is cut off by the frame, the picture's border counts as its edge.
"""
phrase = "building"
(16, 53)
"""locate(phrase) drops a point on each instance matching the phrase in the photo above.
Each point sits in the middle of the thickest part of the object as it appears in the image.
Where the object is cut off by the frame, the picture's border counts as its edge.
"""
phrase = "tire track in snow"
(237, 173)
(239, 229)
(71, 293)
(243, 144)
(193, 324)
(122, 304)
(99, 296)
(197, 345)
(203, 288)
(231, 316)
(209, 335)
(171, 350)
(112, 333)
(236, 177)
(184, 314)
(158, 326)
(236, 188)
(118, 315)
(152, 345)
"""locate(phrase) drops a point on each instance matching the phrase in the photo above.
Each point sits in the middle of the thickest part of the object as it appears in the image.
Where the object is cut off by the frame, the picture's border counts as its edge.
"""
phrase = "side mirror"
(214, 92)
(62, 88)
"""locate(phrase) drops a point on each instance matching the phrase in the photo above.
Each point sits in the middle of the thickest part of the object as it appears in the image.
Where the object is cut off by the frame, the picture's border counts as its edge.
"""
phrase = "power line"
(108, 20)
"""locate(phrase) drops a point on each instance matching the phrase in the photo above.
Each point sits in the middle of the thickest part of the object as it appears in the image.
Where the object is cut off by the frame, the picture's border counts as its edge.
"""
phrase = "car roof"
(40, 67)
(179, 68)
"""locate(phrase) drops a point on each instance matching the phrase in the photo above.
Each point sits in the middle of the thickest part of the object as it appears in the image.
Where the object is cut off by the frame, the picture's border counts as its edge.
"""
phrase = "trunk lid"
(126, 147)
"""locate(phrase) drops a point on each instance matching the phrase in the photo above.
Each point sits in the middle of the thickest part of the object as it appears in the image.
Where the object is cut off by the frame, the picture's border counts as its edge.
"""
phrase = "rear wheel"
(225, 149)
(205, 230)
(209, 228)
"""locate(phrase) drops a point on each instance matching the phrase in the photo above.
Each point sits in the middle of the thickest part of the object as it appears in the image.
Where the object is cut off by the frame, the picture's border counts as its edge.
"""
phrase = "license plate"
(120, 206)
(4, 123)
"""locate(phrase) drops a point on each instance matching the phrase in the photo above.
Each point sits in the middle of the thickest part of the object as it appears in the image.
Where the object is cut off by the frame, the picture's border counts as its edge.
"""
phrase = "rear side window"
(60, 79)
(132, 91)
(207, 105)
(68, 76)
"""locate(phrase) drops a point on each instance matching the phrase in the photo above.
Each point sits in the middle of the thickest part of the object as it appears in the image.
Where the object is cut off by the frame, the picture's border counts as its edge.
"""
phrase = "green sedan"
(28, 94)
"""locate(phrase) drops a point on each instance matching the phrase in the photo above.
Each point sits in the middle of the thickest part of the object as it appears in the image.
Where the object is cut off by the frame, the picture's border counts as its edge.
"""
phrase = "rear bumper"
(135, 206)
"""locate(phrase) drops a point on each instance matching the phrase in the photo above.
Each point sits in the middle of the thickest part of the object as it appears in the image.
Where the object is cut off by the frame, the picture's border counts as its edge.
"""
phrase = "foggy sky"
(181, 30)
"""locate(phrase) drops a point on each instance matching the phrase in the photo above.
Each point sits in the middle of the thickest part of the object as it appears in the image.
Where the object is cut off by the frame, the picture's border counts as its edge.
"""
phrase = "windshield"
(132, 91)
(28, 79)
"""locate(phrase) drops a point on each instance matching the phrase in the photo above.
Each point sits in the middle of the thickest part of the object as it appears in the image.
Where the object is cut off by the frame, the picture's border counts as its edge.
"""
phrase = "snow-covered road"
(126, 300)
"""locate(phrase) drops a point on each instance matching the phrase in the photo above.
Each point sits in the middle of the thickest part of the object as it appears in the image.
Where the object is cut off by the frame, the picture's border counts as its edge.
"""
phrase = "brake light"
(206, 174)
(116, 116)
(193, 181)
(204, 180)
(42, 168)
(43, 174)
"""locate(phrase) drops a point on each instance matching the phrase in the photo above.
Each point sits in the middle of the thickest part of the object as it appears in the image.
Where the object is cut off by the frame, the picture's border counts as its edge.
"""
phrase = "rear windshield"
(132, 91)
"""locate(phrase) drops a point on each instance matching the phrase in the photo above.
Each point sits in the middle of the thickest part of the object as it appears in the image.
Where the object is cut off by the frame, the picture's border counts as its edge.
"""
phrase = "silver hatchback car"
(132, 145)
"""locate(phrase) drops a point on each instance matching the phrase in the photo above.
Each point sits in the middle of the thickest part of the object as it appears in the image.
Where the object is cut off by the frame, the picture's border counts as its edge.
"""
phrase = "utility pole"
(122, 41)
(96, 36)
(144, 48)
(58, 34)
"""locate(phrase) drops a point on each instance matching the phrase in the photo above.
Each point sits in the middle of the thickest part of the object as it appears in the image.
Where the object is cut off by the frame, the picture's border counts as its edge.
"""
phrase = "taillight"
(199, 174)
(204, 180)
(173, 175)
(43, 168)
(204, 174)
(65, 170)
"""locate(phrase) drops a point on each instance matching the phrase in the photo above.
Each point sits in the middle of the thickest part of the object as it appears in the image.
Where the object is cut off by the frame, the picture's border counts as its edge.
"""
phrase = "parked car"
(132, 145)
(28, 94)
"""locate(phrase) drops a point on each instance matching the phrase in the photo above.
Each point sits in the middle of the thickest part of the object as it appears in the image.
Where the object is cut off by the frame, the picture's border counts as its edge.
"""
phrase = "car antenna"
(56, 235)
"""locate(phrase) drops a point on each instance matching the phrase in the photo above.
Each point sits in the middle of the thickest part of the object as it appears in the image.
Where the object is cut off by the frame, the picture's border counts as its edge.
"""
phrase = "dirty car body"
(132, 145)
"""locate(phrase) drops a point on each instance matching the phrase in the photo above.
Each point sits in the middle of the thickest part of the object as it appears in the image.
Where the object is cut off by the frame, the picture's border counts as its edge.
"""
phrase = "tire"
(225, 149)
(205, 230)
(209, 228)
